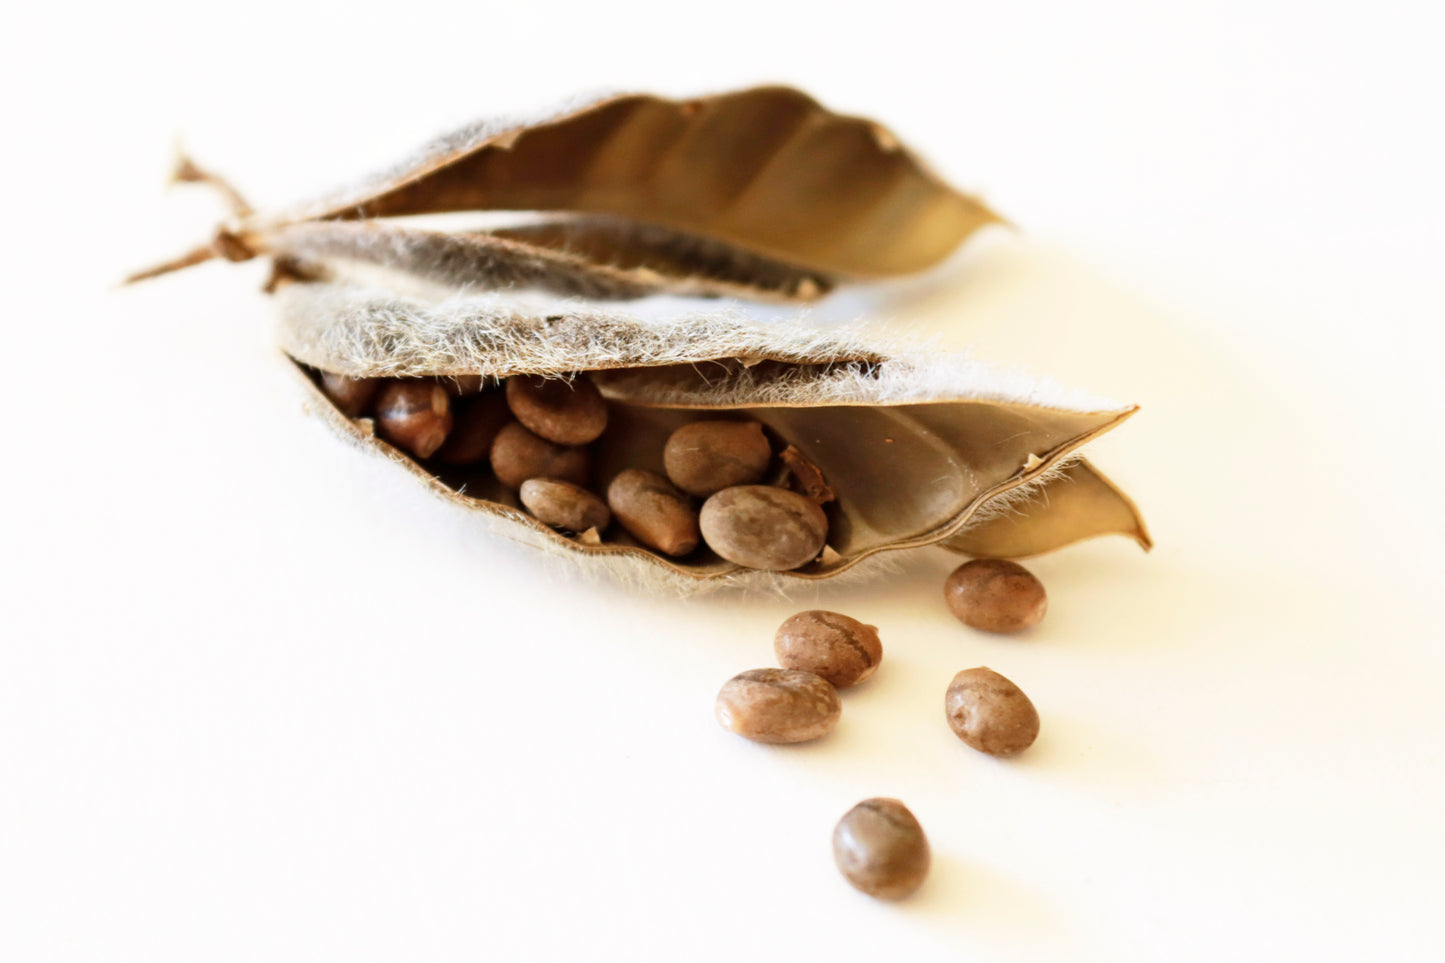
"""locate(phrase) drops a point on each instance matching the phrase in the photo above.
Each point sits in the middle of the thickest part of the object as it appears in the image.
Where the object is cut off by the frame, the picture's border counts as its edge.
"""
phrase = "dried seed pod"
(565, 411)
(476, 422)
(705, 457)
(653, 511)
(990, 713)
(415, 415)
(778, 705)
(995, 595)
(352, 396)
(763, 528)
(881, 849)
(518, 455)
(839, 648)
(564, 505)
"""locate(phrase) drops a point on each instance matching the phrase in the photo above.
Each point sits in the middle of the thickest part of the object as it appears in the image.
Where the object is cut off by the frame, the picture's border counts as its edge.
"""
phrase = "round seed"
(764, 528)
(653, 511)
(415, 415)
(476, 422)
(880, 848)
(840, 649)
(518, 455)
(707, 456)
(564, 505)
(996, 595)
(778, 705)
(990, 713)
(568, 412)
(351, 395)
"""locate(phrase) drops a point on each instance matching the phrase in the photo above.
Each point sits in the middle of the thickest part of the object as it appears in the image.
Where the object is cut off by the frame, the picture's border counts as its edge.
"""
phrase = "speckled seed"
(840, 649)
(352, 396)
(764, 528)
(415, 415)
(653, 511)
(778, 705)
(564, 505)
(880, 848)
(990, 713)
(707, 456)
(569, 412)
(518, 455)
(996, 595)
(476, 422)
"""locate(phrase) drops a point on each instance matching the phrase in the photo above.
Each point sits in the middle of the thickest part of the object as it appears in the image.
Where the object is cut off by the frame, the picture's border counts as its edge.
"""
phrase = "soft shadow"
(975, 903)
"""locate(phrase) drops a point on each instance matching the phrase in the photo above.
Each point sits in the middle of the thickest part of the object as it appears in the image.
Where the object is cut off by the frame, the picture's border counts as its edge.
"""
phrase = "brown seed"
(569, 412)
(840, 649)
(990, 713)
(653, 511)
(351, 395)
(415, 415)
(778, 705)
(880, 848)
(996, 595)
(763, 528)
(462, 386)
(564, 505)
(707, 456)
(518, 455)
(476, 422)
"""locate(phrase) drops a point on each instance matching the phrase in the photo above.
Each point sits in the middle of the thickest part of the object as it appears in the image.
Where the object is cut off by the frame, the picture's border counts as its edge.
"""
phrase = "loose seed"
(351, 395)
(881, 849)
(518, 455)
(707, 456)
(840, 649)
(568, 412)
(653, 511)
(763, 528)
(990, 713)
(477, 421)
(996, 595)
(564, 505)
(778, 705)
(415, 415)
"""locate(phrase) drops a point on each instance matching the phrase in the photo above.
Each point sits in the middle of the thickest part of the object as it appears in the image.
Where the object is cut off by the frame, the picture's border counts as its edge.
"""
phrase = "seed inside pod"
(564, 505)
(352, 395)
(462, 386)
(990, 713)
(568, 412)
(840, 649)
(415, 415)
(995, 595)
(518, 455)
(881, 849)
(653, 511)
(707, 456)
(778, 705)
(476, 422)
(764, 528)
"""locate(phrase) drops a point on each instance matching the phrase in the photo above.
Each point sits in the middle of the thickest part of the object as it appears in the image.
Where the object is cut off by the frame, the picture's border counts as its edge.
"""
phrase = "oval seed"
(564, 505)
(881, 849)
(764, 528)
(653, 511)
(990, 713)
(778, 705)
(568, 412)
(518, 455)
(476, 421)
(996, 595)
(415, 415)
(352, 396)
(707, 456)
(840, 649)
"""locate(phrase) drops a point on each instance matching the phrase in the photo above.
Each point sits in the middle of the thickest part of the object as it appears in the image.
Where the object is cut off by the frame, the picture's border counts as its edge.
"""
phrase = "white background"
(263, 699)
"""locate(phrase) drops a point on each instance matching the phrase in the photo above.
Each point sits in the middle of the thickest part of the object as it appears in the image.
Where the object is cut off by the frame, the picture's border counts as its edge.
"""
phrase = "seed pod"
(840, 649)
(990, 713)
(707, 456)
(518, 455)
(568, 412)
(995, 595)
(653, 511)
(476, 422)
(778, 705)
(415, 415)
(763, 528)
(564, 505)
(352, 396)
(881, 849)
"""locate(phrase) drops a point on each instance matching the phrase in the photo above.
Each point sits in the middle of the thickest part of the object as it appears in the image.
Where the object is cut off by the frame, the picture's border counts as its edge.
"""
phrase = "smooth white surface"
(261, 698)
